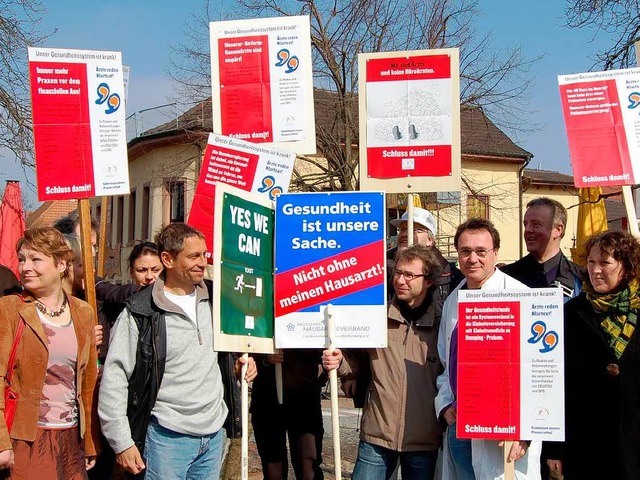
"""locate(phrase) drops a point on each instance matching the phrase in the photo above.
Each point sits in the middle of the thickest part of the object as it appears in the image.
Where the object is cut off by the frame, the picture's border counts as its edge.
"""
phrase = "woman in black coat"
(602, 369)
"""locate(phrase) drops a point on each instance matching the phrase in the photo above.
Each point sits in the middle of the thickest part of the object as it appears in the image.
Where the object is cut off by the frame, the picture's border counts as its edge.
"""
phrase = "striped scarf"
(618, 313)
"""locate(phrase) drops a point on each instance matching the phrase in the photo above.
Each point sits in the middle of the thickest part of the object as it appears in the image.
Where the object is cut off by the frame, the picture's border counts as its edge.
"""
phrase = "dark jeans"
(378, 463)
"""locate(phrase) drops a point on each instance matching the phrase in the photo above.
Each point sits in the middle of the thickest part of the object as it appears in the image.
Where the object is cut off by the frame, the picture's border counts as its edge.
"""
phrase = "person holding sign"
(163, 387)
(477, 242)
(398, 421)
(299, 416)
(602, 369)
(55, 428)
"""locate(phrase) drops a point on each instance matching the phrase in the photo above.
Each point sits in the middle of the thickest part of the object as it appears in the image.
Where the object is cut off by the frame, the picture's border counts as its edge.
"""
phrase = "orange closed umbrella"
(592, 218)
(11, 225)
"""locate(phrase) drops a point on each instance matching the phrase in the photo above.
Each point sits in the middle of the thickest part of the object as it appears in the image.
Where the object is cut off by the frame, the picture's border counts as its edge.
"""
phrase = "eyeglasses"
(480, 252)
(408, 276)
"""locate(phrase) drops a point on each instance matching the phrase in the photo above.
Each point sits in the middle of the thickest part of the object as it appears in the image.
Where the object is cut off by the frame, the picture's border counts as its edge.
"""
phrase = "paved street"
(349, 421)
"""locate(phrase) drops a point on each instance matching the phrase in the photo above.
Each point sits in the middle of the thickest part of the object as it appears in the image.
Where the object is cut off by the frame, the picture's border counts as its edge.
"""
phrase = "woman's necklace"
(52, 313)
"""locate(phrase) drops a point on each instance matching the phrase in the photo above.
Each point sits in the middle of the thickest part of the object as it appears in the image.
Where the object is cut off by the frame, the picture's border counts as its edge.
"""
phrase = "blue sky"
(144, 30)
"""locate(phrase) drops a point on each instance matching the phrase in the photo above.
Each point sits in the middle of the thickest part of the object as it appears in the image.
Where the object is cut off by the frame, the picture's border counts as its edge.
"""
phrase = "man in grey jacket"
(177, 402)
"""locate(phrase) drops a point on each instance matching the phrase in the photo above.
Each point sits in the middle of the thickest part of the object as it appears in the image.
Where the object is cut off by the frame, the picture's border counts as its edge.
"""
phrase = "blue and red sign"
(330, 249)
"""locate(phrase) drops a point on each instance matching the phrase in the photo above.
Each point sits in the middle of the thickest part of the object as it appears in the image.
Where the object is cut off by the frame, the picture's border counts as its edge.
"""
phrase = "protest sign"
(247, 166)
(262, 81)
(243, 272)
(77, 99)
(510, 365)
(330, 249)
(602, 118)
(410, 121)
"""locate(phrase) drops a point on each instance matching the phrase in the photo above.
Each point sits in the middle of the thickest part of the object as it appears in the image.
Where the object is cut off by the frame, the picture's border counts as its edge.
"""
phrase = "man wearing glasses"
(399, 424)
(477, 242)
(424, 233)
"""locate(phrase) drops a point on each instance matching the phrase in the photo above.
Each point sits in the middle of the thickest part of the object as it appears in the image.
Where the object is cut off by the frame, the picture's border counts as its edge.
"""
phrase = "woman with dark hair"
(602, 366)
(55, 427)
(144, 263)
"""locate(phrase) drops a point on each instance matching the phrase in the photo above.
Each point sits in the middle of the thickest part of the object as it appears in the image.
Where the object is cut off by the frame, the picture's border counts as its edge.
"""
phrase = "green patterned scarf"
(618, 313)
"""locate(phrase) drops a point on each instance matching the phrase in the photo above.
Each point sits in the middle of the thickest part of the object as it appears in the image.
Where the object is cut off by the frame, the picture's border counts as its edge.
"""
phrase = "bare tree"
(492, 79)
(19, 21)
(620, 19)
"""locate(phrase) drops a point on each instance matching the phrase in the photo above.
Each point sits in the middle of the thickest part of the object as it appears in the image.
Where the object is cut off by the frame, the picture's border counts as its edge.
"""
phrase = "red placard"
(596, 134)
(488, 391)
(225, 165)
(245, 88)
(62, 130)
(322, 281)
(420, 67)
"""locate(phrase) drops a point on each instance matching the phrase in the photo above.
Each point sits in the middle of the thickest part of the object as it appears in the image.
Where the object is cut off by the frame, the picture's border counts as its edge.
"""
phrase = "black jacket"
(448, 280)
(602, 411)
(146, 378)
(532, 273)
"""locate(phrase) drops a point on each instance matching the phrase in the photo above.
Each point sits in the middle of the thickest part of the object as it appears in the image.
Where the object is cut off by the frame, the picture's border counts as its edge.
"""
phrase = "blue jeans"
(176, 456)
(379, 463)
(459, 455)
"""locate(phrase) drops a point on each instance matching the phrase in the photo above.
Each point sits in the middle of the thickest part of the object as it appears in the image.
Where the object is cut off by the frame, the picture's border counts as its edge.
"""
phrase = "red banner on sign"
(423, 161)
(488, 370)
(329, 278)
(225, 165)
(62, 130)
(596, 134)
(423, 67)
(245, 88)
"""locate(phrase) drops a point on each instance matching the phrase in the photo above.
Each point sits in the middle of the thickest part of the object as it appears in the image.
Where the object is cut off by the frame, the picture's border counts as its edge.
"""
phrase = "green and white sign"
(243, 271)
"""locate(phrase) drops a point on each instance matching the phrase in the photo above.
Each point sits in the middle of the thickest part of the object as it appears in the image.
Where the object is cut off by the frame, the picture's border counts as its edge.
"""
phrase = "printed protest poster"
(410, 121)
(511, 364)
(243, 272)
(244, 165)
(602, 118)
(330, 249)
(77, 99)
(262, 81)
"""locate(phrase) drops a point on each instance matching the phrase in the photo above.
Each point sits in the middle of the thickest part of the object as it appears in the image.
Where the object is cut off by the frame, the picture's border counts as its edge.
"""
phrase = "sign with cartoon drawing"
(77, 99)
(511, 364)
(410, 121)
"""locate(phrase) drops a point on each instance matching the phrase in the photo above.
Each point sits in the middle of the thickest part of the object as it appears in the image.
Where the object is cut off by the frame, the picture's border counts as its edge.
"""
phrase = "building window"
(478, 206)
(132, 216)
(174, 201)
(146, 212)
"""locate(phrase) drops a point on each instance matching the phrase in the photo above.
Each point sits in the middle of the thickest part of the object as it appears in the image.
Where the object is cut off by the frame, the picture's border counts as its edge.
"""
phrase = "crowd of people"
(140, 388)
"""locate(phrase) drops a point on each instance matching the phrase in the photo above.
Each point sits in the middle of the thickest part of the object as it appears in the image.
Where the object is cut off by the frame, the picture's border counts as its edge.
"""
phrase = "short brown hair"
(171, 238)
(622, 246)
(431, 266)
(478, 224)
(558, 212)
(48, 241)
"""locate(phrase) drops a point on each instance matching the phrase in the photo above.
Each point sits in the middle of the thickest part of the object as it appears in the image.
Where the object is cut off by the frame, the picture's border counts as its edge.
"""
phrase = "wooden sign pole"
(509, 467)
(102, 240)
(333, 382)
(84, 209)
(244, 455)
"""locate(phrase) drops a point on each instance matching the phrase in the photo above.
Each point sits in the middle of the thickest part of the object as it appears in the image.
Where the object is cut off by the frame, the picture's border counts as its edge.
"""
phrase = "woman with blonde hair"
(55, 428)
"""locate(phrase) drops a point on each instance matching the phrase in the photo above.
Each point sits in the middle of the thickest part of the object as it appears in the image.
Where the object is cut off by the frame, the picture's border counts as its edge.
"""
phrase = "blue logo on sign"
(539, 333)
